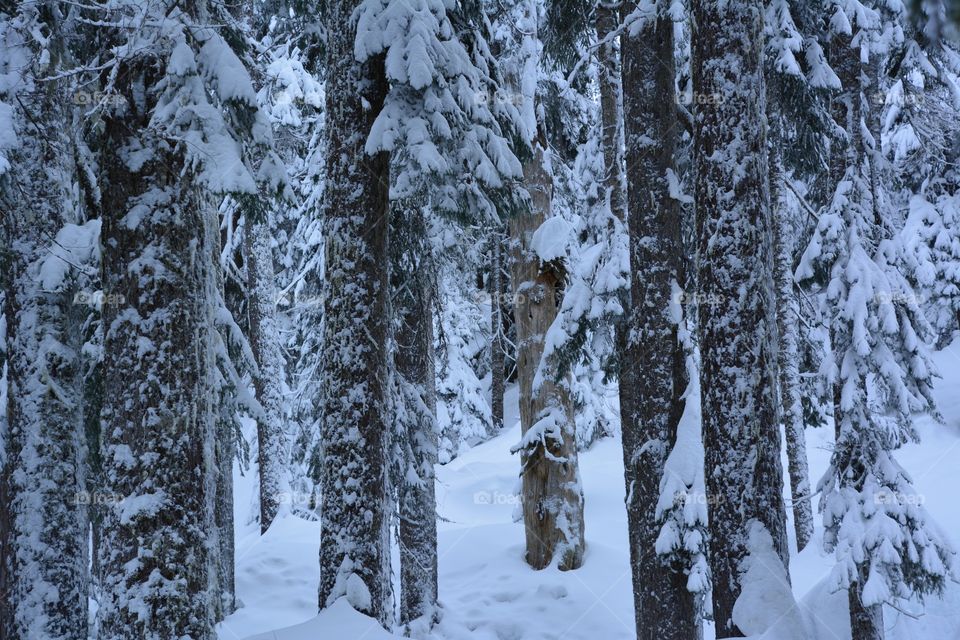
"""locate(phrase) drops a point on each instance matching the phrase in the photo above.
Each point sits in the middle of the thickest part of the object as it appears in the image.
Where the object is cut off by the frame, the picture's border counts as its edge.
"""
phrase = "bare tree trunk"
(788, 362)
(224, 454)
(355, 518)
(552, 495)
(656, 377)
(268, 381)
(158, 415)
(413, 301)
(609, 63)
(497, 343)
(737, 321)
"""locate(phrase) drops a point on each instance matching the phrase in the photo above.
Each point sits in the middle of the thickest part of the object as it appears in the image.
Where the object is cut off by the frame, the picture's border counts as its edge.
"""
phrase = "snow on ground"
(488, 593)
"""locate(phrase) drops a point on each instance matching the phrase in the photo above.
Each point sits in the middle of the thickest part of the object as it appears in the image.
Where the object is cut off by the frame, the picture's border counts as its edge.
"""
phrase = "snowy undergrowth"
(488, 593)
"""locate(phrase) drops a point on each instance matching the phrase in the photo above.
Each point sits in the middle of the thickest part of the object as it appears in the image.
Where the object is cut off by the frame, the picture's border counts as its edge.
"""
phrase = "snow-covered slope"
(488, 592)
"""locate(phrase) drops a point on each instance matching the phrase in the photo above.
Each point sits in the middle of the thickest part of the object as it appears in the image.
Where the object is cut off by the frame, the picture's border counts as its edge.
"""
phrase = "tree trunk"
(355, 542)
(497, 343)
(552, 495)
(44, 524)
(609, 76)
(788, 361)
(224, 453)
(158, 415)
(268, 382)
(652, 389)
(413, 299)
(737, 321)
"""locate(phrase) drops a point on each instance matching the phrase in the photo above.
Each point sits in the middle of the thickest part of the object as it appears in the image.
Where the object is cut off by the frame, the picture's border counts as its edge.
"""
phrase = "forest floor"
(487, 592)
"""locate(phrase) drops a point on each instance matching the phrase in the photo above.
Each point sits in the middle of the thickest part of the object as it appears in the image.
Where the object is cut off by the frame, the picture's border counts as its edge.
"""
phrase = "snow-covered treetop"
(441, 110)
(205, 102)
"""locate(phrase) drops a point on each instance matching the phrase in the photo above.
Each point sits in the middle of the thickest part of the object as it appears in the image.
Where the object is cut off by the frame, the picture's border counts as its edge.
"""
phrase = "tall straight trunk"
(788, 360)
(158, 418)
(412, 284)
(652, 391)
(737, 320)
(866, 622)
(224, 453)
(268, 382)
(497, 342)
(606, 22)
(44, 530)
(552, 495)
(355, 542)
(7, 565)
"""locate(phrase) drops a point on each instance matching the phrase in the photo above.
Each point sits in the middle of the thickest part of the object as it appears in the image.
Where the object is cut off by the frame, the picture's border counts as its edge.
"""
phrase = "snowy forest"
(492, 319)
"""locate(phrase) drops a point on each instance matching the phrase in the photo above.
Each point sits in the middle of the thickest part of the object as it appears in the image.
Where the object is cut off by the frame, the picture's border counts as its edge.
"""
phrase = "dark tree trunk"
(497, 342)
(158, 416)
(264, 342)
(788, 360)
(224, 454)
(606, 23)
(653, 368)
(413, 303)
(355, 542)
(737, 320)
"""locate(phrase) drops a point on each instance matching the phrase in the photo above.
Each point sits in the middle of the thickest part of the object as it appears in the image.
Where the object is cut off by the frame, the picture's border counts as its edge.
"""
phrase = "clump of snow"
(550, 240)
(358, 595)
(766, 602)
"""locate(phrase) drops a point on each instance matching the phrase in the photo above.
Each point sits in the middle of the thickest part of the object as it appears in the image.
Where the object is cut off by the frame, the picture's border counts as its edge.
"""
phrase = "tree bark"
(44, 522)
(413, 302)
(788, 362)
(158, 418)
(606, 23)
(652, 389)
(268, 382)
(737, 321)
(355, 542)
(552, 495)
(497, 342)
(224, 454)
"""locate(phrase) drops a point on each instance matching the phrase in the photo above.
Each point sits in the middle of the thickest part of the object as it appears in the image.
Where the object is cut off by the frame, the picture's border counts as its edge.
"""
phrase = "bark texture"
(268, 381)
(654, 375)
(413, 302)
(497, 341)
(552, 495)
(788, 362)
(43, 472)
(158, 565)
(736, 302)
(355, 542)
